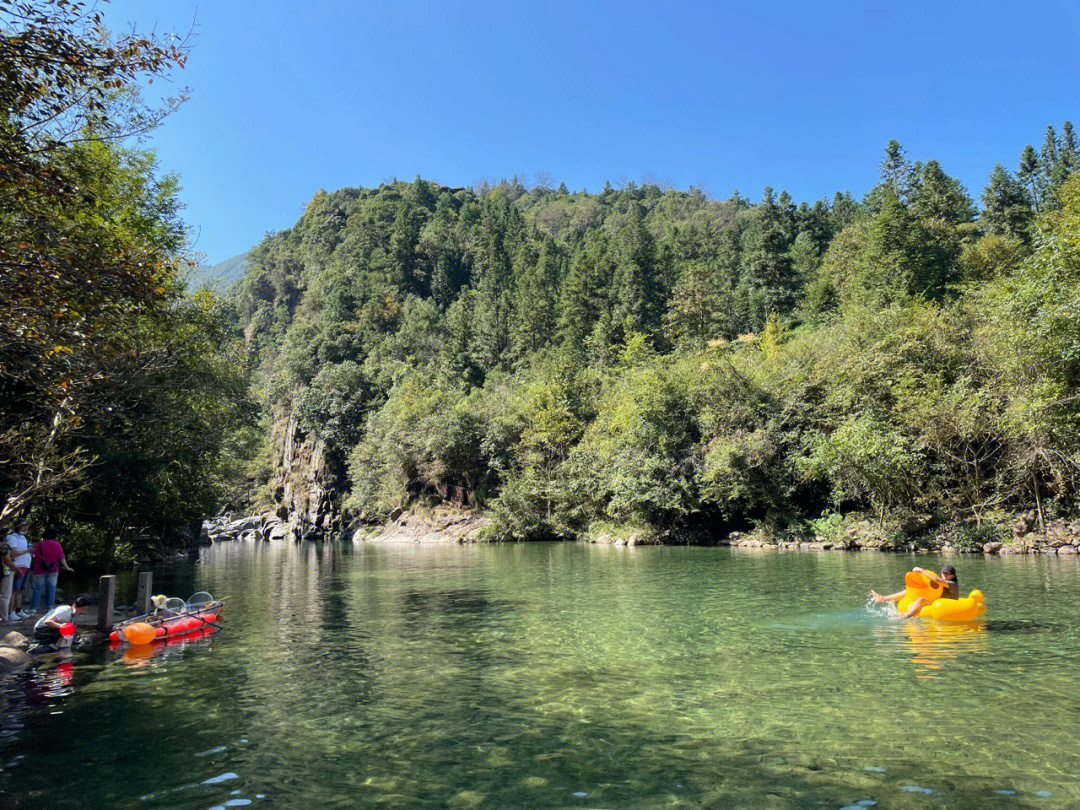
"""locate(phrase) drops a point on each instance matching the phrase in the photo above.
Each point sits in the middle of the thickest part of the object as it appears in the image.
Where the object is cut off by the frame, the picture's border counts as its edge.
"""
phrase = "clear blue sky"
(291, 97)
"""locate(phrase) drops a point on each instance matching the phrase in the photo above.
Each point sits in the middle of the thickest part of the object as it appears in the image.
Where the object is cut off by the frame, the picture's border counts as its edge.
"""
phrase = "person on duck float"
(948, 582)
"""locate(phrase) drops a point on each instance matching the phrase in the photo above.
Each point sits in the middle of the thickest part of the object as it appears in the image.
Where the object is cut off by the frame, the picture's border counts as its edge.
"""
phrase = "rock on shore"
(13, 654)
(443, 524)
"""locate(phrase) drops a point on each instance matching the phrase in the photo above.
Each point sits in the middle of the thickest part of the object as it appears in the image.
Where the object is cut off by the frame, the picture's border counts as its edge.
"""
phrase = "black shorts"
(46, 635)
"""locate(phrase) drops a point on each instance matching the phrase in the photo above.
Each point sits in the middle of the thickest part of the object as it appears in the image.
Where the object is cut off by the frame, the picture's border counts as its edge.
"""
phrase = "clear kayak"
(175, 620)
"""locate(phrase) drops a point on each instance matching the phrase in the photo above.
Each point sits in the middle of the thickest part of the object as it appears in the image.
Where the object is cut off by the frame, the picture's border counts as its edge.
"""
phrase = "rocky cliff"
(306, 484)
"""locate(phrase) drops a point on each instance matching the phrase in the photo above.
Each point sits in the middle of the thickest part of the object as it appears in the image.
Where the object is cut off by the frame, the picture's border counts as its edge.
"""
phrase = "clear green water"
(565, 676)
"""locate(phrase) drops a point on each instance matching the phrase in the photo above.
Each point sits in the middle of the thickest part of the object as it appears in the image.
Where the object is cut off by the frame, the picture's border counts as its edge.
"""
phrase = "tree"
(767, 283)
(1007, 207)
(537, 289)
(896, 170)
(1028, 175)
(696, 307)
(87, 234)
(635, 285)
(938, 196)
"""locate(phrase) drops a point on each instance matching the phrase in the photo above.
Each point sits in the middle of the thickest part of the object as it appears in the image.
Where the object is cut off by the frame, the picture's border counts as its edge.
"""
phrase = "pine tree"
(537, 281)
(1028, 174)
(938, 196)
(767, 281)
(494, 283)
(695, 309)
(634, 285)
(896, 170)
(1070, 150)
(1007, 207)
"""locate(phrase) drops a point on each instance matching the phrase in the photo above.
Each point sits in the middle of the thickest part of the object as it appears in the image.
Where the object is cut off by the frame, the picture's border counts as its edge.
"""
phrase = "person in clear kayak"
(947, 580)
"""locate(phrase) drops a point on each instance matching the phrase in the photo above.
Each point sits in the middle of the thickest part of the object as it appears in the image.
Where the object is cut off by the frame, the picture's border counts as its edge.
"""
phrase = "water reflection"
(139, 654)
(936, 644)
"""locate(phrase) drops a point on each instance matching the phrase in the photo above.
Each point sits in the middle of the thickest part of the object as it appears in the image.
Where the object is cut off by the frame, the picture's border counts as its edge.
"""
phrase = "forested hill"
(656, 361)
(219, 276)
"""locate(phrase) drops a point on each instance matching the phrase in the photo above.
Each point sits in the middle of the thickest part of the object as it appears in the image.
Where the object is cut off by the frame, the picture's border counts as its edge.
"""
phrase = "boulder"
(917, 524)
(15, 640)
(280, 531)
(1065, 551)
(12, 659)
(992, 547)
(1025, 522)
(242, 525)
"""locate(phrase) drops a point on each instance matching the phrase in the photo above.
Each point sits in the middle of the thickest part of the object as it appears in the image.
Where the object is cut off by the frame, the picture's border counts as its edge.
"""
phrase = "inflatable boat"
(918, 585)
(172, 618)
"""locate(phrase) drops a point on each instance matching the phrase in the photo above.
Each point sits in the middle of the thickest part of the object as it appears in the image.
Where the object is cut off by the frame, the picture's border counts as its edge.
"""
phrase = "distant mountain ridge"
(221, 276)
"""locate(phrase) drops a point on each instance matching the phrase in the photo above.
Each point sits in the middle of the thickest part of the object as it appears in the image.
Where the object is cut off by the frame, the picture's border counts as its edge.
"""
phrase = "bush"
(972, 537)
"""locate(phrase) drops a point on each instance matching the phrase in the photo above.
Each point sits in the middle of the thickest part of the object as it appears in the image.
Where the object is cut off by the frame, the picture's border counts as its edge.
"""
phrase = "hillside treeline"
(657, 361)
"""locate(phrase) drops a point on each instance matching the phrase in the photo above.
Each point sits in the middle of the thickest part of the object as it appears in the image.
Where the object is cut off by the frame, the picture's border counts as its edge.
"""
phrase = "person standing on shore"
(20, 550)
(48, 558)
(7, 576)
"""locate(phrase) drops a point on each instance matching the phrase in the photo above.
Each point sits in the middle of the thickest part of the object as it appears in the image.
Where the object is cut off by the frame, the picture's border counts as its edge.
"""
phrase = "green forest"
(640, 361)
(658, 362)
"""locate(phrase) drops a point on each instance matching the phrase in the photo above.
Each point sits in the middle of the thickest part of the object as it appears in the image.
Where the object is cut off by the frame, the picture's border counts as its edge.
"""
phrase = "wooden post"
(106, 600)
(146, 589)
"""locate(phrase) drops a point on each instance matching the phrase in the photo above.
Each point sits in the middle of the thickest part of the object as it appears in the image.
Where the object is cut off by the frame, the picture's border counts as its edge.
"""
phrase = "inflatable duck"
(916, 584)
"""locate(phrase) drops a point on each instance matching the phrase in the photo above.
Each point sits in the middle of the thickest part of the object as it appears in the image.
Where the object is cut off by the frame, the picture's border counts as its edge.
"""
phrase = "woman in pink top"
(48, 558)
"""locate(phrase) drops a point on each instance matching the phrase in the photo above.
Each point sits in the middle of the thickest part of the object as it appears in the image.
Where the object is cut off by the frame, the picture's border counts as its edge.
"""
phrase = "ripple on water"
(217, 780)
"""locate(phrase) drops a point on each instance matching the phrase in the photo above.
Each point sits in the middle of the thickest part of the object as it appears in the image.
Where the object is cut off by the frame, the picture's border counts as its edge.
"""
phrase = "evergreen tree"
(537, 288)
(1028, 174)
(635, 293)
(767, 283)
(1007, 207)
(694, 314)
(494, 282)
(896, 170)
(938, 196)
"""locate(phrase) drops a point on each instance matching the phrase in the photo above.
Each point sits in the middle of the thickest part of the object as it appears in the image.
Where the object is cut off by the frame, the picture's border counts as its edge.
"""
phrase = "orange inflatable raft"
(918, 585)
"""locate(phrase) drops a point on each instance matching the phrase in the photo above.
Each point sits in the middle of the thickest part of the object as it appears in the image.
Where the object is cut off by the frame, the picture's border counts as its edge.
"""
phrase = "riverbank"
(922, 533)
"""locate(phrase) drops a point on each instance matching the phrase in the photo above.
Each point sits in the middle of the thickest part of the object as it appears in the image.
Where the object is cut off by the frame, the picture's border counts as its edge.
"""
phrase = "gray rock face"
(306, 483)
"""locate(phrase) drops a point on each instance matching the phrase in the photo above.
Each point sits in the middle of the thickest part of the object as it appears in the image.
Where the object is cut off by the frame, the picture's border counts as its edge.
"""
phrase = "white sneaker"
(22, 614)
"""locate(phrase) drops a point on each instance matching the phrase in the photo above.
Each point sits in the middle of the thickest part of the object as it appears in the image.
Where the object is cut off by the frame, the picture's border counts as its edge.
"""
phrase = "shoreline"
(452, 525)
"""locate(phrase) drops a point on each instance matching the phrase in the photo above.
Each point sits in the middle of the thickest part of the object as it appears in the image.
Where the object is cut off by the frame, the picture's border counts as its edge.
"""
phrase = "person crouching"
(47, 631)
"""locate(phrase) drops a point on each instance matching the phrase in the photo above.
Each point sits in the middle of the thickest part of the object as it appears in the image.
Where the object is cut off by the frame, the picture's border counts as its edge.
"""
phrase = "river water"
(565, 676)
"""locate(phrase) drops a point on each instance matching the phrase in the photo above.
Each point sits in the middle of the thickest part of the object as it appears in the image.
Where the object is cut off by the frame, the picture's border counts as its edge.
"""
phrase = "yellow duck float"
(970, 607)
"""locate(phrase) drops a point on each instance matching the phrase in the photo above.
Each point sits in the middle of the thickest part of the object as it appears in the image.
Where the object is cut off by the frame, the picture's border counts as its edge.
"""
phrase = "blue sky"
(288, 97)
